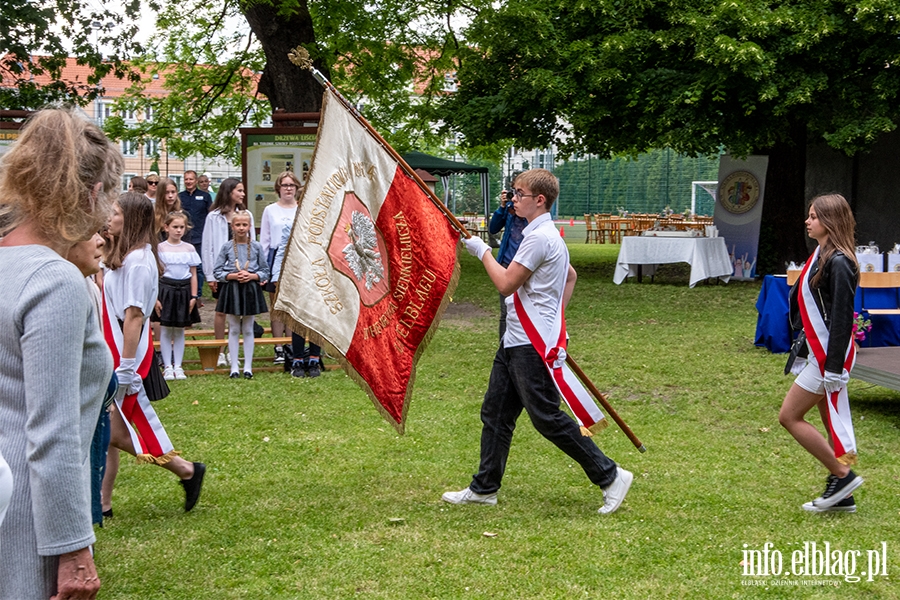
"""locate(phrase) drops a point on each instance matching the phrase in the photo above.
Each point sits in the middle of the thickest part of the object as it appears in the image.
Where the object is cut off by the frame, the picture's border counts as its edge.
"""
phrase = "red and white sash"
(840, 424)
(151, 443)
(551, 345)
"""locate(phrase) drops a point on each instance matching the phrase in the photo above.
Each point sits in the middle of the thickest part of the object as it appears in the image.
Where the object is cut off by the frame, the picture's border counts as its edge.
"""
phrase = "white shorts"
(810, 378)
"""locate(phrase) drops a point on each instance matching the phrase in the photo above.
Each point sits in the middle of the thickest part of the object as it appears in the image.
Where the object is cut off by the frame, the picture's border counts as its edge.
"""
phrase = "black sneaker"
(248, 375)
(193, 486)
(297, 369)
(313, 369)
(279, 355)
(837, 489)
(235, 375)
(848, 505)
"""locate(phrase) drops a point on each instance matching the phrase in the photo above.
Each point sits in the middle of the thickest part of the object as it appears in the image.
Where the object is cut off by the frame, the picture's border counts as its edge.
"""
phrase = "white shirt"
(544, 253)
(215, 233)
(274, 219)
(178, 259)
(135, 283)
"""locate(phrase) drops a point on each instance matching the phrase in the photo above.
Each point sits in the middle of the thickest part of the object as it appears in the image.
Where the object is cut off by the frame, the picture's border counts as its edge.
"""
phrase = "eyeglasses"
(288, 185)
(152, 183)
(519, 194)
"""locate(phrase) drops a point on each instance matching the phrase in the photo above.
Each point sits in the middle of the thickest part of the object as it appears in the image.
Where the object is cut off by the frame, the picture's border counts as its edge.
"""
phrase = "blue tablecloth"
(773, 329)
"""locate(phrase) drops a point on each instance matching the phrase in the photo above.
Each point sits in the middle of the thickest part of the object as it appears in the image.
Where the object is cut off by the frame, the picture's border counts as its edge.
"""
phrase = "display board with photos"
(268, 152)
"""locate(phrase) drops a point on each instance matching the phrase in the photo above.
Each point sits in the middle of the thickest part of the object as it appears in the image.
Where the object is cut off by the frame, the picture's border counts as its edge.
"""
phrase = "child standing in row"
(176, 306)
(241, 270)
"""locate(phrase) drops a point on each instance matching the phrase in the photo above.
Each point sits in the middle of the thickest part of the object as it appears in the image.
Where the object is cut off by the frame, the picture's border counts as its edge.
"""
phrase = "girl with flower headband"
(241, 270)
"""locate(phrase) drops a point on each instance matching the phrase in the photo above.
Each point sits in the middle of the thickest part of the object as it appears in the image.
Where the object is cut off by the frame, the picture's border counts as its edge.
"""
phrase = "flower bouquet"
(861, 327)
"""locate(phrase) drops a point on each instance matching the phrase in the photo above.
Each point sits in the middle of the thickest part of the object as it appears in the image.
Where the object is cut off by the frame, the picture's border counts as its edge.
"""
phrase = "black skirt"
(244, 299)
(175, 297)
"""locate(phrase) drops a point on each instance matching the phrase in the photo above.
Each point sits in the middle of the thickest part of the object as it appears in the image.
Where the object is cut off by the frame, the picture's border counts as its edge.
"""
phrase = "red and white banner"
(370, 264)
(840, 423)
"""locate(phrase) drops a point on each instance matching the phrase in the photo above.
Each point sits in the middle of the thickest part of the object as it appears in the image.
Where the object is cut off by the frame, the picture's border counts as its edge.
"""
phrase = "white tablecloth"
(708, 257)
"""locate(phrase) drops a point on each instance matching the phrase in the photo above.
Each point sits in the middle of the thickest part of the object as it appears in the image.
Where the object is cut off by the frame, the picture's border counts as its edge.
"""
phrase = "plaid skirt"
(244, 299)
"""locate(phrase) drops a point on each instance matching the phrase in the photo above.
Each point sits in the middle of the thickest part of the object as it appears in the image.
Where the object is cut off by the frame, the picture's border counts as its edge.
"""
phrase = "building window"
(129, 148)
(126, 178)
(151, 148)
(450, 82)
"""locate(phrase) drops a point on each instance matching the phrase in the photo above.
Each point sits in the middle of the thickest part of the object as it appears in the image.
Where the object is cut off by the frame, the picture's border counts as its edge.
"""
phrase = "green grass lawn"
(311, 494)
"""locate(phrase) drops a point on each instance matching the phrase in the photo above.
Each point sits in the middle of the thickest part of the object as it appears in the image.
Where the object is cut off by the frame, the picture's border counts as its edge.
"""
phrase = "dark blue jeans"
(200, 276)
(520, 380)
(99, 448)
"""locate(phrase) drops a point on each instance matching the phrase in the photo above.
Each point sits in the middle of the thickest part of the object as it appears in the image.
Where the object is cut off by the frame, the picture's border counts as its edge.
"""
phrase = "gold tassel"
(149, 459)
(848, 459)
(586, 432)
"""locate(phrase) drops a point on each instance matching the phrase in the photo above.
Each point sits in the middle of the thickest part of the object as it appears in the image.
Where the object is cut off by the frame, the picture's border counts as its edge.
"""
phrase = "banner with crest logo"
(370, 264)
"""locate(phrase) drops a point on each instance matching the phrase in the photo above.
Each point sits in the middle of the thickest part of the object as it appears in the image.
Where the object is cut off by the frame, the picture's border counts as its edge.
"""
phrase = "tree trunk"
(782, 236)
(285, 84)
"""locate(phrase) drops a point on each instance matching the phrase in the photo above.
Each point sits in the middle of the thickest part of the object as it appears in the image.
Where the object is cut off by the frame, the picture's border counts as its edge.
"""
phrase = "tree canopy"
(609, 76)
(36, 37)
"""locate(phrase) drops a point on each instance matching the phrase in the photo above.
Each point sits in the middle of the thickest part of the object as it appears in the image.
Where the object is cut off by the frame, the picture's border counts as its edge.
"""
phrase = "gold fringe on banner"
(149, 459)
(848, 459)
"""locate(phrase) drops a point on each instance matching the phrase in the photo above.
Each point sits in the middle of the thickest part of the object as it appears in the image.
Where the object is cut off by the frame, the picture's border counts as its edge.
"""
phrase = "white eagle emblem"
(360, 253)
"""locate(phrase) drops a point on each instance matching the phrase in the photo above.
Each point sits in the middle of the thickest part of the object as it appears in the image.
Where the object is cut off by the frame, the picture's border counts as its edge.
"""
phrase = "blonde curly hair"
(49, 174)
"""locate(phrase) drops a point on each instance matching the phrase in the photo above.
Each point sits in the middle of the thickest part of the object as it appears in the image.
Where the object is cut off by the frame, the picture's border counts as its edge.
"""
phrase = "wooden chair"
(603, 228)
(470, 221)
(626, 226)
(593, 233)
(887, 280)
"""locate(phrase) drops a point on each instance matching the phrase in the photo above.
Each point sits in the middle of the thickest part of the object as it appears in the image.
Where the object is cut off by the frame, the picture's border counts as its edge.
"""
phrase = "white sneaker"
(221, 362)
(467, 496)
(179, 373)
(169, 374)
(615, 492)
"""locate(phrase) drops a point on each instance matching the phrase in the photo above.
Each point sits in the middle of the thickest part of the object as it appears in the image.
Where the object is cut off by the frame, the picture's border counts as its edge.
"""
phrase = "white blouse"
(178, 259)
(135, 283)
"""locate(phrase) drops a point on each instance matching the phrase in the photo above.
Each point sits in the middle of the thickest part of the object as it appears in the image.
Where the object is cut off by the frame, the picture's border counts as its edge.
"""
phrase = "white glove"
(834, 382)
(798, 366)
(125, 374)
(137, 384)
(476, 246)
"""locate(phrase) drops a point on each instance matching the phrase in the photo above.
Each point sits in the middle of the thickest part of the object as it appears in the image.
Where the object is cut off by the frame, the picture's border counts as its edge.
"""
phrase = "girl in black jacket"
(822, 299)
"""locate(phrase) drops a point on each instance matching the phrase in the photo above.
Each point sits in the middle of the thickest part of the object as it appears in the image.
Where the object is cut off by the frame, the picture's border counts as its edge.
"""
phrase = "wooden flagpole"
(300, 57)
(606, 405)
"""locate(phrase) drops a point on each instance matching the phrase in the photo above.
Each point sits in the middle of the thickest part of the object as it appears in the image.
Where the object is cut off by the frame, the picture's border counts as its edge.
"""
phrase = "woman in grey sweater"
(48, 411)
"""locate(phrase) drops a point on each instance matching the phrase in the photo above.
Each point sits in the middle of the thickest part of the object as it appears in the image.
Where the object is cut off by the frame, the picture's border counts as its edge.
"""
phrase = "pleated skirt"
(237, 298)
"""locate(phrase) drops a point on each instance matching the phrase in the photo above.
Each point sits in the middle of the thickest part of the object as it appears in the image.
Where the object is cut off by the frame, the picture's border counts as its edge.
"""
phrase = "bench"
(209, 350)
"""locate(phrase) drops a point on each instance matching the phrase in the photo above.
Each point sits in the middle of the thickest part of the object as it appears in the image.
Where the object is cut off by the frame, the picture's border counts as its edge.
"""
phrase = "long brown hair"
(60, 200)
(835, 215)
(161, 210)
(223, 196)
(138, 230)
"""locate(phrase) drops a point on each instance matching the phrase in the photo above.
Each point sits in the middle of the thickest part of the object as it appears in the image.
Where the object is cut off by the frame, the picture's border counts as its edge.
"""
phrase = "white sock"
(165, 345)
(249, 343)
(234, 340)
(178, 346)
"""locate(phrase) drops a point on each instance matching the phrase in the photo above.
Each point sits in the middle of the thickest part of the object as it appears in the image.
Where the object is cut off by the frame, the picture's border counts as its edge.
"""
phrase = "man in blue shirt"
(505, 218)
(196, 203)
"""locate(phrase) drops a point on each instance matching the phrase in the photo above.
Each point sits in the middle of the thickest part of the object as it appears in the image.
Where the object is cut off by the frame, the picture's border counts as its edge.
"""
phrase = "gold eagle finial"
(300, 57)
